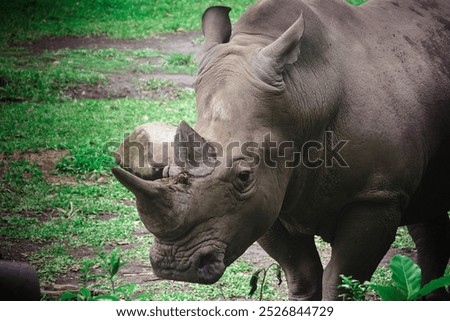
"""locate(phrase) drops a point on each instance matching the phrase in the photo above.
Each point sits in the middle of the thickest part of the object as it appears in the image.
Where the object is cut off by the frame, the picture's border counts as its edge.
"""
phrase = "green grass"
(86, 209)
(47, 77)
(25, 20)
(403, 240)
(233, 285)
(29, 20)
(88, 128)
(41, 78)
(180, 63)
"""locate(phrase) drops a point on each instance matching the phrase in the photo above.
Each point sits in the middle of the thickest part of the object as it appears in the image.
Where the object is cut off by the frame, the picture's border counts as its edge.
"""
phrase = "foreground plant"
(256, 278)
(407, 283)
(110, 265)
(407, 278)
(353, 290)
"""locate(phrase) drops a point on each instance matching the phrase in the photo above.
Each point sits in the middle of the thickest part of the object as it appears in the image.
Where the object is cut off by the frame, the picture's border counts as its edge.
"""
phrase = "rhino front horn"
(138, 186)
(192, 152)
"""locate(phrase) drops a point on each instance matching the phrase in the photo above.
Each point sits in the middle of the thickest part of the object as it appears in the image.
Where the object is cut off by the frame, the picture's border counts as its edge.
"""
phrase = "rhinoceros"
(314, 118)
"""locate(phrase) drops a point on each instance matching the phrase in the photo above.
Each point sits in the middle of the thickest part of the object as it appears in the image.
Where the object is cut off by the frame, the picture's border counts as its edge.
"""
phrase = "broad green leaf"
(434, 285)
(115, 267)
(113, 256)
(389, 293)
(106, 298)
(84, 294)
(68, 296)
(406, 275)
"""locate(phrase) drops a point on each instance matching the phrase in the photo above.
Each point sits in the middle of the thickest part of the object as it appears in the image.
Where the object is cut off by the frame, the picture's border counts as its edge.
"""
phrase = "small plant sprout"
(352, 290)
(110, 265)
(255, 279)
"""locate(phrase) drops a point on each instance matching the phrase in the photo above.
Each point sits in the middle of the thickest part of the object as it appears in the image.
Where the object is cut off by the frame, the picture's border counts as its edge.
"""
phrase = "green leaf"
(278, 271)
(106, 298)
(84, 294)
(68, 296)
(126, 289)
(143, 297)
(434, 285)
(113, 256)
(389, 293)
(406, 275)
(254, 282)
(115, 267)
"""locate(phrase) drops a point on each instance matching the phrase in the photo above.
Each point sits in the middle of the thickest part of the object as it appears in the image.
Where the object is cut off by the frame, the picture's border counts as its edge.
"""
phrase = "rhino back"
(389, 64)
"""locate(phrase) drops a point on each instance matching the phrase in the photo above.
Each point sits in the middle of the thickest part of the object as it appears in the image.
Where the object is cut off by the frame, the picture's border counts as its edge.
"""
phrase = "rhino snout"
(205, 267)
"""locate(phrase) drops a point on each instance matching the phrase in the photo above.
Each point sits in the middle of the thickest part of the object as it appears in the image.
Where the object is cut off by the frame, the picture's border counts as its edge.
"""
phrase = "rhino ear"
(284, 50)
(216, 25)
(192, 152)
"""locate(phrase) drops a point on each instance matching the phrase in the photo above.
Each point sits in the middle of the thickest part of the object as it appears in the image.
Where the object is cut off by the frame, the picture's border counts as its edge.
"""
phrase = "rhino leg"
(363, 236)
(432, 239)
(298, 257)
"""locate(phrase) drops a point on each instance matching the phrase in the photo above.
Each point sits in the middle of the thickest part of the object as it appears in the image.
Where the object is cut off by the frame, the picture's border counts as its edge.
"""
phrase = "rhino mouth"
(204, 267)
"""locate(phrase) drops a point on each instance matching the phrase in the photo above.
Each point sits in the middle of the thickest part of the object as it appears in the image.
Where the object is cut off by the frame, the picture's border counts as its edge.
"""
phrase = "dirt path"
(127, 85)
(182, 42)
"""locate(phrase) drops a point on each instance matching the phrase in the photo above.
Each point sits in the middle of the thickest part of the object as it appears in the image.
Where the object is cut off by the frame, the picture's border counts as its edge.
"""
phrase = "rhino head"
(210, 206)
(203, 214)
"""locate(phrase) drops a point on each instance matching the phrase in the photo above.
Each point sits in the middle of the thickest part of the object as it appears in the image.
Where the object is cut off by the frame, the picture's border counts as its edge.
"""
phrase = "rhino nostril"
(183, 178)
(205, 262)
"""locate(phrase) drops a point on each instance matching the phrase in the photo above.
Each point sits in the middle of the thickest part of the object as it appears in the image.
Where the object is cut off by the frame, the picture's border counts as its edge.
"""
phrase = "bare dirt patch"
(18, 249)
(43, 216)
(182, 42)
(46, 159)
(130, 84)
(133, 85)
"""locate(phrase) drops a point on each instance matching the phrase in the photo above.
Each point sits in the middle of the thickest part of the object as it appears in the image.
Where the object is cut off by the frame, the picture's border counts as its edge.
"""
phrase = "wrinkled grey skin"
(376, 75)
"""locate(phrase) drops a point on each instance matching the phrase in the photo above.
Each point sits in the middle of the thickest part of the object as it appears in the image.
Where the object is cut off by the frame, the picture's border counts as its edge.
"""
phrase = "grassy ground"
(26, 20)
(60, 208)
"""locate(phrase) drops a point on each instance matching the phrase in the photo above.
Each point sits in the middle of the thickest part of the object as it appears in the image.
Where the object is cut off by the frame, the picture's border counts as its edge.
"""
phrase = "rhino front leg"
(432, 239)
(363, 236)
(298, 257)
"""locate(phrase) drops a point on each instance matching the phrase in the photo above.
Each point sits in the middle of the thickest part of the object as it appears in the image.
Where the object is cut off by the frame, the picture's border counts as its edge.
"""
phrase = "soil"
(131, 84)
(182, 42)
(120, 85)
(46, 159)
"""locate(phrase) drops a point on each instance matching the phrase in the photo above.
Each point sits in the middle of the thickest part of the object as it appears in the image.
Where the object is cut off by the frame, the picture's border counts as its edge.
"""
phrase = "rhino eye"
(244, 176)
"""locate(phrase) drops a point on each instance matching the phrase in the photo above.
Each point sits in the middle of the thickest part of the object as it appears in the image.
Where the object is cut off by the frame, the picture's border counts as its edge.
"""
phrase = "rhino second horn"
(189, 152)
(138, 186)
